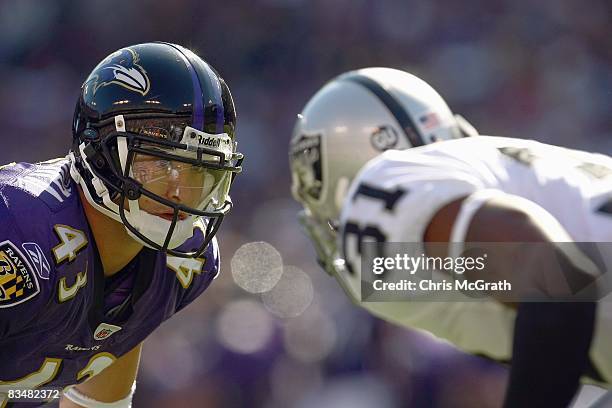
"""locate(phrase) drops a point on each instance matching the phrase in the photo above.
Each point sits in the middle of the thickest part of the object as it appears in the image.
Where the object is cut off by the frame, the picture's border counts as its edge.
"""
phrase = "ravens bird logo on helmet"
(122, 68)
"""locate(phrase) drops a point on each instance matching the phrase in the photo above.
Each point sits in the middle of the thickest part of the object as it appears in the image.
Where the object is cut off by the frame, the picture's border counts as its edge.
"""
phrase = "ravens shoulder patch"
(18, 281)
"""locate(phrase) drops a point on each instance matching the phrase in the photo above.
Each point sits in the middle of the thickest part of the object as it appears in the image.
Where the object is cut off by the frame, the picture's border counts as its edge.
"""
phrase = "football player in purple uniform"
(99, 248)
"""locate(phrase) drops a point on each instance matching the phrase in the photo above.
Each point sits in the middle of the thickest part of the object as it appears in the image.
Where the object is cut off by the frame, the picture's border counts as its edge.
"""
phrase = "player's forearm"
(113, 383)
(66, 403)
(547, 362)
(72, 398)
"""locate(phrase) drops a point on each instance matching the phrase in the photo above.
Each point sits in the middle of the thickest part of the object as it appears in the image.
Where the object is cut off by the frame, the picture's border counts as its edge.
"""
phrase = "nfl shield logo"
(105, 330)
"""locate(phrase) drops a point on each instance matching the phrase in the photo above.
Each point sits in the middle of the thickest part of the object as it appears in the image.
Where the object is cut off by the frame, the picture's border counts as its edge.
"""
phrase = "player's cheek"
(157, 188)
(147, 204)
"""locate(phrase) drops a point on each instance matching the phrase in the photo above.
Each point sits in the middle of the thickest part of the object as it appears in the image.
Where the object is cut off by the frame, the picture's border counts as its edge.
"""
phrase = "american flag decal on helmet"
(429, 121)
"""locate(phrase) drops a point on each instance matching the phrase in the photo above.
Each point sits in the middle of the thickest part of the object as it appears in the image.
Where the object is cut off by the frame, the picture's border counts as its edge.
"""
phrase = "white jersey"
(396, 195)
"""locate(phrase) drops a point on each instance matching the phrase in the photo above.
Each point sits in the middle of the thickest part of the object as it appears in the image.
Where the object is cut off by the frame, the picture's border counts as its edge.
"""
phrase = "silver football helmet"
(353, 118)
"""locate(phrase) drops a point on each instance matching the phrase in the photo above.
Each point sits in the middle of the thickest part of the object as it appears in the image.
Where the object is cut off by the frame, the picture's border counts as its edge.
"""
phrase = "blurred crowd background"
(525, 69)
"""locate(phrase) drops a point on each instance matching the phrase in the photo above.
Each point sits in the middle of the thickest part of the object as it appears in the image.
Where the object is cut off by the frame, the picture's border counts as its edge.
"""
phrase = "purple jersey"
(59, 325)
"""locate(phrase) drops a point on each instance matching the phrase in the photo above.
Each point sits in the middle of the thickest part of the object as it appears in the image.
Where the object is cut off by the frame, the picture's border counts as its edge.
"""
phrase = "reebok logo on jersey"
(18, 282)
(36, 255)
(105, 330)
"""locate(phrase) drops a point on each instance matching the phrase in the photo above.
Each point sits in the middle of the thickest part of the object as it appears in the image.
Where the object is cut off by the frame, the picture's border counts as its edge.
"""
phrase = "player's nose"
(173, 190)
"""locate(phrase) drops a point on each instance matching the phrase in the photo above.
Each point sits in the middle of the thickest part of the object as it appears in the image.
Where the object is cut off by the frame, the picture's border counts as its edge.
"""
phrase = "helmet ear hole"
(99, 162)
(91, 135)
(94, 157)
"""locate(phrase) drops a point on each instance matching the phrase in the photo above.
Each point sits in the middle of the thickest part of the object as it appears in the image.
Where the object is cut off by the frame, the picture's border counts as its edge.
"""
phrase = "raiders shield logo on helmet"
(306, 161)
